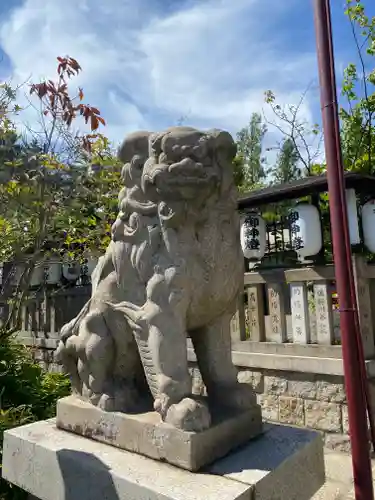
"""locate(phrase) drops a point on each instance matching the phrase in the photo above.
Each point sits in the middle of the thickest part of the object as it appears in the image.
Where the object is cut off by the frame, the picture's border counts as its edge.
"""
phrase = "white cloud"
(145, 67)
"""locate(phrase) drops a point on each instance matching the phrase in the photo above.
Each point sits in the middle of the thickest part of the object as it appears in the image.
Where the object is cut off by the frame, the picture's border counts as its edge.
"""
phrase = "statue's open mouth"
(178, 181)
(175, 185)
(178, 174)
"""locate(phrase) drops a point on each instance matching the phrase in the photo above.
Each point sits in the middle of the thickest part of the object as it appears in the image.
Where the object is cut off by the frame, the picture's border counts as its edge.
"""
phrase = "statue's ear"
(125, 175)
(134, 144)
(223, 144)
(225, 150)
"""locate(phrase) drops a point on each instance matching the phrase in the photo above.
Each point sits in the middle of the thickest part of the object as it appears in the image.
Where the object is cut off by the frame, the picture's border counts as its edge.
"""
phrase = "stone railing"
(286, 343)
(291, 311)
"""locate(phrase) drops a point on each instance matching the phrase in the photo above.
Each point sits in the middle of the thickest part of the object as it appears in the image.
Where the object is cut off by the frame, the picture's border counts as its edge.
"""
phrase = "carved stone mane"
(174, 268)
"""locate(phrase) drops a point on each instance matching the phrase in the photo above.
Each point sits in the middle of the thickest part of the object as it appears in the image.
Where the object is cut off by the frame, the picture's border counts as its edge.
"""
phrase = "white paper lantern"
(306, 230)
(71, 270)
(368, 225)
(37, 276)
(52, 272)
(351, 208)
(253, 236)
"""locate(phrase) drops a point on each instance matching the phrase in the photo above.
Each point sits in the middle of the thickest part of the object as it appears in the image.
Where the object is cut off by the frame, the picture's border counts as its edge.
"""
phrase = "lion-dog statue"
(173, 269)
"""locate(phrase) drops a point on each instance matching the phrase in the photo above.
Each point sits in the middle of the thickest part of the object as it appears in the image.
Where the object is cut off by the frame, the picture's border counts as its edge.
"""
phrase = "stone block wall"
(314, 401)
(301, 399)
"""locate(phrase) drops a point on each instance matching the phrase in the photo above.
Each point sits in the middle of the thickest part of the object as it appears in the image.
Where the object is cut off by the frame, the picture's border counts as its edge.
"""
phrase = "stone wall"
(301, 399)
(315, 401)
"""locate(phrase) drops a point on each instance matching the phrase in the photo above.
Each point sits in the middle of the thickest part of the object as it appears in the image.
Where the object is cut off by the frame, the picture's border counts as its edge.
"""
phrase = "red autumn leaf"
(94, 122)
(81, 108)
(87, 113)
(58, 101)
(65, 101)
(51, 86)
(73, 63)
(63, 88)
(39, 88)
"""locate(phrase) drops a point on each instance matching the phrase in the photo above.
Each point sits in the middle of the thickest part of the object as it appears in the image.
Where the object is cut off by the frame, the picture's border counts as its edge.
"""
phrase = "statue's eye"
(198, 152)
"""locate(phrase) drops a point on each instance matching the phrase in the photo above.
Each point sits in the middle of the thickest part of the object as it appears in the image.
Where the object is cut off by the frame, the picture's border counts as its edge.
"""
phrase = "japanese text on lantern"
(252, 232)
(295, 230)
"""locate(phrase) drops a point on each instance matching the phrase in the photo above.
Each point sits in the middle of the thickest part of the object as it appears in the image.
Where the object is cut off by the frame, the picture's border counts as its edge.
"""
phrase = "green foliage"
(238, 173)
(58, 196)
(58, 190)
(27, 394)
(358, 89)
(249, 164)
(287, 166)
(48, 199)
(301, 141)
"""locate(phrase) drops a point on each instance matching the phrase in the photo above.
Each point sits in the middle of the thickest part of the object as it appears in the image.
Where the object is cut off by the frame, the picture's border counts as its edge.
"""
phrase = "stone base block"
(146, 434)
(51, 464)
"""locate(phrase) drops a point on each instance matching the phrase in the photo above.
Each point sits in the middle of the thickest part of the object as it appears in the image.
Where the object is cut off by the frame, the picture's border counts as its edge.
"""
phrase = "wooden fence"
(44, 316)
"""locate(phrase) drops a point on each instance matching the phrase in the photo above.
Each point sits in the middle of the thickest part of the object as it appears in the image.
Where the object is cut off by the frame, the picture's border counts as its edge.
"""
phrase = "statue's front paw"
(58, 355)
(189, 415)
(105, 402)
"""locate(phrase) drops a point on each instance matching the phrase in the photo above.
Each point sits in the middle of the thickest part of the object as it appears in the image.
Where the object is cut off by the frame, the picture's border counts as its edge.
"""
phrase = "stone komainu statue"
(174, 268)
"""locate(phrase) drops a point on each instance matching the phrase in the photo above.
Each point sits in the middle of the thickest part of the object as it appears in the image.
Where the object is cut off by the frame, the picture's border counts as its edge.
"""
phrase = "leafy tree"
(239, 173)
(8, 135)
(358, 113)
(287, 166)
(53, 202)
(250, 164)
(58, 196)
(305, 138)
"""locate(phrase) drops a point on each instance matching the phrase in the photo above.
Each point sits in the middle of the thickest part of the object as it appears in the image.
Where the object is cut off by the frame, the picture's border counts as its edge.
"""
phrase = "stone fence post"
(362, 280)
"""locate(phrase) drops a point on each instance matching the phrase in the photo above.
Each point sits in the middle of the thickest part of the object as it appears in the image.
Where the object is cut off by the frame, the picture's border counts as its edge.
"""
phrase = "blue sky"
(147, 63)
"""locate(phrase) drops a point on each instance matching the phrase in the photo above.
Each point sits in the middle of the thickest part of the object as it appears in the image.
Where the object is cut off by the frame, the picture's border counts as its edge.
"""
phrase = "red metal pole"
(347, 239)
(344, 275)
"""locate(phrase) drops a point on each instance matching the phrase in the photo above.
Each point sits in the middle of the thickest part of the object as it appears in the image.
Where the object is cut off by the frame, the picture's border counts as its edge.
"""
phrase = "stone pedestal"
(284, 463)
(145, 433)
